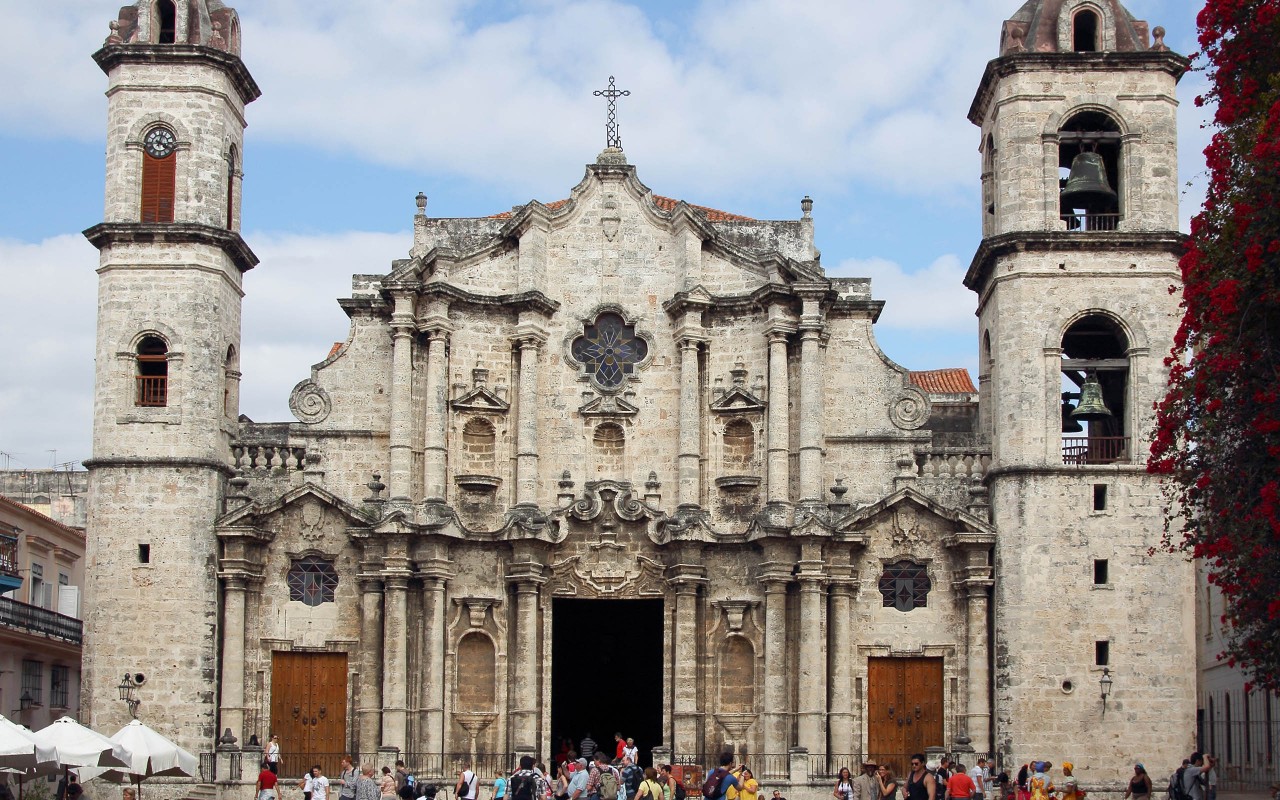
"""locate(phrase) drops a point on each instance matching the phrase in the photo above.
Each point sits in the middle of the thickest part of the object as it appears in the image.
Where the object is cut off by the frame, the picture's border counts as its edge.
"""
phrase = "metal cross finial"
(612, 139)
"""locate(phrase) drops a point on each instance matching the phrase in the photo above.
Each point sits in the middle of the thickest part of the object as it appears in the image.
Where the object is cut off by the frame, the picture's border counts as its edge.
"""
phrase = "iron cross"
(612, 139)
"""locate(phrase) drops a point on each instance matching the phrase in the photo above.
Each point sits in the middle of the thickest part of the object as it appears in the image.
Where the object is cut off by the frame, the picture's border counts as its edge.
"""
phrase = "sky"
(742, 105)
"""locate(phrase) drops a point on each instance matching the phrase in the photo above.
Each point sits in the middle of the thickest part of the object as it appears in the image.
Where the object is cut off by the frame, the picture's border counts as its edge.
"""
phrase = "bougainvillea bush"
(1217, 437)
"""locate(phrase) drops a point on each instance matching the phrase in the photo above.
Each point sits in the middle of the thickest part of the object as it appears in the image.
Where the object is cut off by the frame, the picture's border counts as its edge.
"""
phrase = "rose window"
(609, 350)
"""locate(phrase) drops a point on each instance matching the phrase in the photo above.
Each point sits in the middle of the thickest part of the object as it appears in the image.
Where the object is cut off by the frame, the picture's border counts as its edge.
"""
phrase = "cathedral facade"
(618, 440)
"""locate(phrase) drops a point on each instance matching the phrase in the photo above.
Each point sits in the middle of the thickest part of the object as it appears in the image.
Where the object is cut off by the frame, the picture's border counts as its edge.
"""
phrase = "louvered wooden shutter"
(159, 185)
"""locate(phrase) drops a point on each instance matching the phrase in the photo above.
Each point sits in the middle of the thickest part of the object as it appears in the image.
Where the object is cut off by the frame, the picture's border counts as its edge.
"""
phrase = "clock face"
(159, 143)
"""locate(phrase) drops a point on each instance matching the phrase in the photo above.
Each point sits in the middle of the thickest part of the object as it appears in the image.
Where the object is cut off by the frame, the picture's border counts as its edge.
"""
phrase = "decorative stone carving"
(610, 350)
(910, 409)
(309, 402)
(311, 528)
(610, 219)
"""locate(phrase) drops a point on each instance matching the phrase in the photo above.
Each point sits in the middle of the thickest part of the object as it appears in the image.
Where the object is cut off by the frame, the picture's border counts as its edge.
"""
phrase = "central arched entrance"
(606, 672)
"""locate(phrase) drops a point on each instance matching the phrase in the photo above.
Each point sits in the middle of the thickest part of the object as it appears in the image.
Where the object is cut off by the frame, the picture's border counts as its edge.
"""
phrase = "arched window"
(1084, 32)
(312, 581)
(989, 187)
(478, 446)
(159, 174)
(232, 167)
(231, 382)
(1095, 370)
(739, 446)
(1089, 172)
(610, 442)
(905, 586)
(153, 372)
(164, 22)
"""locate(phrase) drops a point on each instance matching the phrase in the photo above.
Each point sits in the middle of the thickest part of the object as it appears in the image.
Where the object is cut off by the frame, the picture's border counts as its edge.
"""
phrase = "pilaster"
(779, 436)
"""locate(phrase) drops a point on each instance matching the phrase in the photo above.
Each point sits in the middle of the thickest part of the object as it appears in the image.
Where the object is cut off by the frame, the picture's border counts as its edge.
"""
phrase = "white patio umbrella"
(21, 757)
(19, 750)
(79, 746)
(151, 755)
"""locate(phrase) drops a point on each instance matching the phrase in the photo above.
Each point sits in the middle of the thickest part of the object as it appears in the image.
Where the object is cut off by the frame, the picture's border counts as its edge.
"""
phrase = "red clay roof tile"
(663, 203)
(944, 381)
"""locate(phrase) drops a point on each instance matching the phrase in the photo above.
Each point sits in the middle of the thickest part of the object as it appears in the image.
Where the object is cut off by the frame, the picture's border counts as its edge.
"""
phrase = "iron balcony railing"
(23, 616)
(1081, 450)
(9, 555)
(1092, 222)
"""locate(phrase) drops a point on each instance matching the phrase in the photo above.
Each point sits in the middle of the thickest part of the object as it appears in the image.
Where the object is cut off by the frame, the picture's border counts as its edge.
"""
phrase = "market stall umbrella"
(151, 755)
(79, 746)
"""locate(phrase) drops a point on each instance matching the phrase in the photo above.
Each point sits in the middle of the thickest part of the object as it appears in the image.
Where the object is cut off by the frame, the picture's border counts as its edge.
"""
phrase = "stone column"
(527, 578)
(527, 422)
(690, 459)
(402, 328)
(369, 709)
(435, 455)
(811, 411)
(979, 707)
(433, 650)
(811, 713)
(684, 712)
(395, 682)
(232, 715)
(779, 465)
(776, 721)
(840, 693)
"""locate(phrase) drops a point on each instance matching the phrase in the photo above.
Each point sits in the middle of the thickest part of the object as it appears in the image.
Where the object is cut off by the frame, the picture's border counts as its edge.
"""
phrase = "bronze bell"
(1091, 406)
(1087, 186)
(1069, 423)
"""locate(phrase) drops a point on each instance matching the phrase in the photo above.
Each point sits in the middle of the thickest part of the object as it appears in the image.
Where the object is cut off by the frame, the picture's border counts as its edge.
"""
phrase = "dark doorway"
(606, 672)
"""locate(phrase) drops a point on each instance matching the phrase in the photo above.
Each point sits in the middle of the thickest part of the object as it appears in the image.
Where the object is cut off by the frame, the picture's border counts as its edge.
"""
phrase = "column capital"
(779, 330)
(774, 575)
(526, 574)
(689, 340)
(369, 583)
(395, 581)
(238, 581)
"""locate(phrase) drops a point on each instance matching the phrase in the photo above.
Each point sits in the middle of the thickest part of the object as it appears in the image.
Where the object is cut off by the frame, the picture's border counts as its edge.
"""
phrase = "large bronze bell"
(1087, 186)
(1091, 406)
(1069, 423)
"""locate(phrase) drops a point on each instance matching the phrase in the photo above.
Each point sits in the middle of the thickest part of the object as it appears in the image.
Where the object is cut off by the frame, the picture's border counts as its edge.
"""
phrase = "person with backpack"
(524, 783)
(672, 789)
(1139, 785)
(603, 780)
(632, 777)
(721, 780)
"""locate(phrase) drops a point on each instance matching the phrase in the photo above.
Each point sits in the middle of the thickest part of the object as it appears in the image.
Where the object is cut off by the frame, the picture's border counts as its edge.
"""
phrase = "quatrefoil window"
(609, 350)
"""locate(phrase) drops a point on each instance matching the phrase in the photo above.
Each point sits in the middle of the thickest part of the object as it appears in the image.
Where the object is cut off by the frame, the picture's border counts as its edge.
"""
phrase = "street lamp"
(26, 701)
(127, 684)
(1105, 682)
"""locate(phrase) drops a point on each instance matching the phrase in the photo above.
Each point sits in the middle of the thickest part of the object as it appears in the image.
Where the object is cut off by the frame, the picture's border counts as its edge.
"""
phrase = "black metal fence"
(1248, 752)
(822, 766)
(23, 616)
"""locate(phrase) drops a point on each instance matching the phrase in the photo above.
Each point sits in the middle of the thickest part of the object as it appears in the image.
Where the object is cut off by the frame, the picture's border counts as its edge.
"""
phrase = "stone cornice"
(113, 55)
(993, 247)
(133, 462)
(109, 233)
(532, 300)
(1000, 68)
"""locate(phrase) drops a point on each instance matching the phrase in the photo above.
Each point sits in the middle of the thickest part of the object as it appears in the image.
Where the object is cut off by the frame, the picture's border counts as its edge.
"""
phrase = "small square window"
(1102, 653)
(1100, 576)
(1099, 497)
(144, 554)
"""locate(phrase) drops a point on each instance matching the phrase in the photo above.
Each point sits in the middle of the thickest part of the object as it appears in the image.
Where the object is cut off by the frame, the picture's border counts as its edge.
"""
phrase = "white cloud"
(46, 396)
(929, 299)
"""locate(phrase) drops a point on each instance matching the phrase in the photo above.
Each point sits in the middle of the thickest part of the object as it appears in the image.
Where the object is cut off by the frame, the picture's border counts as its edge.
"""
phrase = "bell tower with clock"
(166, 375)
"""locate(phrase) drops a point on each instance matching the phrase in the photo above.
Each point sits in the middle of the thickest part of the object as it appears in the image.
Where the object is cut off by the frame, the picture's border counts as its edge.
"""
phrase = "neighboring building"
(619, 440)
(59, 494)
(1239, 725)
(41, 578)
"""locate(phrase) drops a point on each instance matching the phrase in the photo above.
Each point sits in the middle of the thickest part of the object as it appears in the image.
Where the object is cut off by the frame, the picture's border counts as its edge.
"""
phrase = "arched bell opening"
(1084, 32)
(1089, 172)
(1095, 384)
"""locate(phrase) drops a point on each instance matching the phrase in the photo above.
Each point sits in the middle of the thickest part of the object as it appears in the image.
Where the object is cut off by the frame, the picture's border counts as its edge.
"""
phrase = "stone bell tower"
(166, 375)
(1080, 247)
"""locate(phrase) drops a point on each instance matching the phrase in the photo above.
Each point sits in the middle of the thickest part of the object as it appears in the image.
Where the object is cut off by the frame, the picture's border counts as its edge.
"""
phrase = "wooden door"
(904, 708)
(309, 709)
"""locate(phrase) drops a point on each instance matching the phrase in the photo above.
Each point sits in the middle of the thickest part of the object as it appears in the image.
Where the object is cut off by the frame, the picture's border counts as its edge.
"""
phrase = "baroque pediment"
(906, 510)
(481, 400)
(738, 401)
(608, 405)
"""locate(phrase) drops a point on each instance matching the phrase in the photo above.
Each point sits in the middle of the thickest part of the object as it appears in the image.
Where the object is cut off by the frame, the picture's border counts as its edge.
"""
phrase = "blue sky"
(746, 106)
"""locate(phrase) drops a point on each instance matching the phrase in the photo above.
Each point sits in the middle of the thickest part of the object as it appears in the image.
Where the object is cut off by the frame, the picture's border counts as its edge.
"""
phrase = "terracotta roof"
(664, 203)
(944, 381)
(333, 351)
